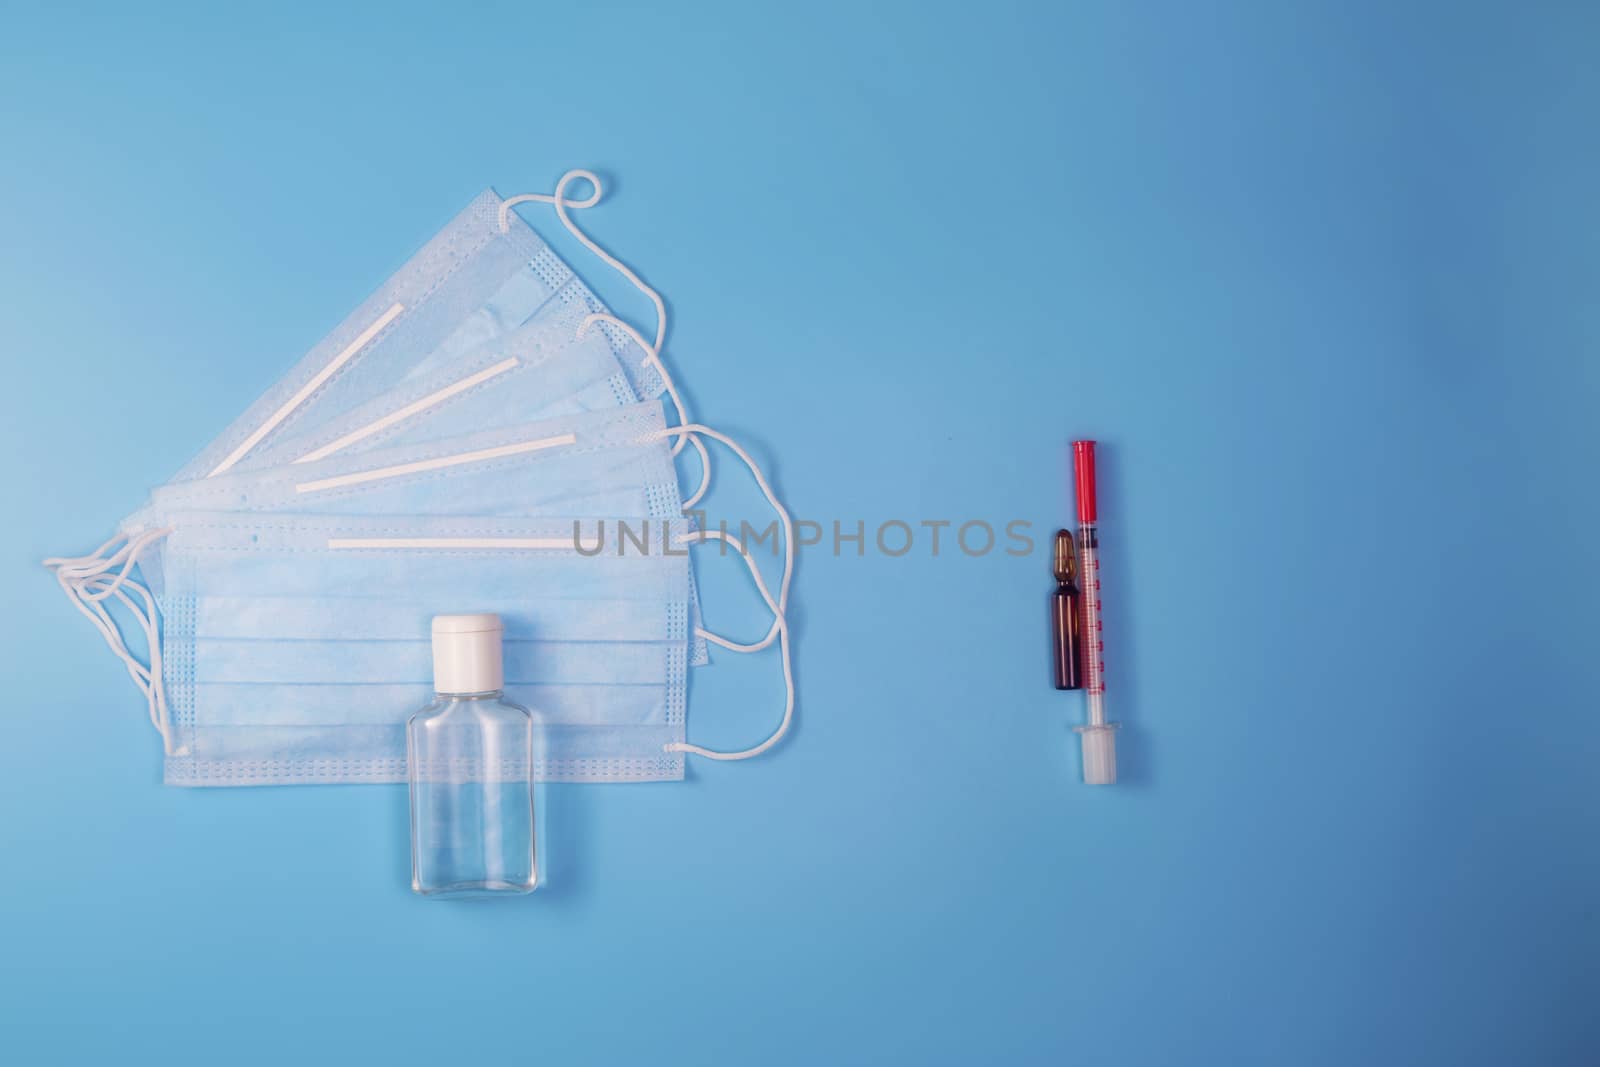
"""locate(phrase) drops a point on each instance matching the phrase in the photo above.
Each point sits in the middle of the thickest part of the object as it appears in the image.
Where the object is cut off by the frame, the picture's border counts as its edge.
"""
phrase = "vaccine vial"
(1066, 616)
(471, 759)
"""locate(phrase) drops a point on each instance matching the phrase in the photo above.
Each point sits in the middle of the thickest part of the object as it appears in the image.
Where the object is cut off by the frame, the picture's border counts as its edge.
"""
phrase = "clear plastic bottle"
(471, 757)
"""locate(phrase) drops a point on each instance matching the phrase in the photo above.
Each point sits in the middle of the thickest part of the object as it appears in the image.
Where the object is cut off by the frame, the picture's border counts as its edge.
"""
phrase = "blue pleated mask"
(545, 368)
(612, 462)
(480, 277)
(294, 649)
(299, 561)
(604, 463)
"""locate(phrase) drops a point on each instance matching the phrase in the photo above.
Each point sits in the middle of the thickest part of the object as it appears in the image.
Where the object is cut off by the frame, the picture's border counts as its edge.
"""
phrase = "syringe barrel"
(1093, 636)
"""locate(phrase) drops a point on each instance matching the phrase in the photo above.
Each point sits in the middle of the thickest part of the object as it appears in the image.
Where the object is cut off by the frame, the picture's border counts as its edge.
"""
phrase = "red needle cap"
(1083, 463)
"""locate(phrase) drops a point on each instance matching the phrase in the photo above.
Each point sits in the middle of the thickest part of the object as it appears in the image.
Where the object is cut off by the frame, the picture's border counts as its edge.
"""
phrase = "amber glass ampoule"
(1065, 616)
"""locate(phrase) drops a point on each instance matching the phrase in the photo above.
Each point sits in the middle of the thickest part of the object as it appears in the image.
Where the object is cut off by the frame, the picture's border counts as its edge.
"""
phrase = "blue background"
(1322, 279)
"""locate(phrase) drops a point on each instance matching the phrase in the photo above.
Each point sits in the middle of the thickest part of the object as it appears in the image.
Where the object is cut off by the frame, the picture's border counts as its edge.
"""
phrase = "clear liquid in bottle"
(471, 760)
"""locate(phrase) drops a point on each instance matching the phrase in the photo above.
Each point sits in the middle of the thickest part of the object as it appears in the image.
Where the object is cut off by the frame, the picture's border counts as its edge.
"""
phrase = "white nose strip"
(414, 408)
(451, 542)
(401, 469)
(348, 353)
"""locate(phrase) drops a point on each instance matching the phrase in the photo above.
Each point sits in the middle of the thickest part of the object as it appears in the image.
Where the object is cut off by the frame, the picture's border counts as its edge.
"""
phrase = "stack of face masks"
(481, 435)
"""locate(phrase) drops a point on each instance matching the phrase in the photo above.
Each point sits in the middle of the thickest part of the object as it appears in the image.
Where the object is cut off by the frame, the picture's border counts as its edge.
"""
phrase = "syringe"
(1099, 737)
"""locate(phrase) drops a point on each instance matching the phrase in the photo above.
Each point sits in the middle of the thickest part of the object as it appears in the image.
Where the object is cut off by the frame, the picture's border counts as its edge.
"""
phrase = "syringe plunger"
(1099, 739)
(1099, 753)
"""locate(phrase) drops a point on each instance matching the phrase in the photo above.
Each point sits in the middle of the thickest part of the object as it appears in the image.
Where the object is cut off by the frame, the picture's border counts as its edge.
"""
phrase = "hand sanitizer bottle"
(471, 762)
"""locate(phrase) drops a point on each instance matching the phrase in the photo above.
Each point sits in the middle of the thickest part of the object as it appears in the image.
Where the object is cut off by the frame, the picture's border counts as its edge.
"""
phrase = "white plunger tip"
(1099, 754)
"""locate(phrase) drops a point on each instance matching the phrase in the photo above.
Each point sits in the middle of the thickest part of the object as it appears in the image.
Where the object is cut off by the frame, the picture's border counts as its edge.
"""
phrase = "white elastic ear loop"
(90, 563)
(73, 575)
(85, 581)
(147, 617)
(561, 203)
(687, 430)
(88, 593)
(550, 198)
(782, 625)
(128, 556)
(784, 521)
(652, 357)
(142, 677)
(98, 617)
(148, 621)
(559, 199)
(81, 567)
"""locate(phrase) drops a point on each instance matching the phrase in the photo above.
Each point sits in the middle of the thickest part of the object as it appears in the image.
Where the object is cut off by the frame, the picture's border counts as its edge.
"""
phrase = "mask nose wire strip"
(653, 357)
(306, 390)
(782, 605)
(559, 200)
(782, 625)
(438, 396)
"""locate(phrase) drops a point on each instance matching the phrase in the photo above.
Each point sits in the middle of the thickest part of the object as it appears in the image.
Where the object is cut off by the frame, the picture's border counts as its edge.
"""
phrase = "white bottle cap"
(466, 654)
(1099, 753)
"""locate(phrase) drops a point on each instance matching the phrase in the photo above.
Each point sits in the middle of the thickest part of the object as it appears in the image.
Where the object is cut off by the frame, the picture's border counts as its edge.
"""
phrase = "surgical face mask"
(604, 463)
(540, 370)
(274, 665)
(472, 281)
(93, 582)
(614, 461)
(562, 321)
(294, 650)
(481, 276)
